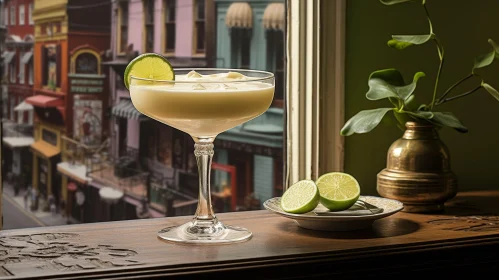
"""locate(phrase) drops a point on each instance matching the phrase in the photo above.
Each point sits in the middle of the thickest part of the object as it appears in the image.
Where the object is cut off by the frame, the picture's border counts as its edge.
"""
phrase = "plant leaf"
(494, 45)
(401, 42)
(364, 121)
(406, 91)
(491, 90)
(484, 60)
(448, 119)
(393, 2)
(389, 83)
(422, 114)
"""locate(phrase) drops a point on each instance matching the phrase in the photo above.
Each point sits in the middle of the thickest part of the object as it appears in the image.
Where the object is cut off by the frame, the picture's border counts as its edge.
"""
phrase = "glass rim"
(251, 79)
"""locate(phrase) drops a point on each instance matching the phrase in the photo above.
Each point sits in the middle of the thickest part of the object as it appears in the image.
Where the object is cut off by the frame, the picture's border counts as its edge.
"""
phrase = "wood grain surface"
(465, 235)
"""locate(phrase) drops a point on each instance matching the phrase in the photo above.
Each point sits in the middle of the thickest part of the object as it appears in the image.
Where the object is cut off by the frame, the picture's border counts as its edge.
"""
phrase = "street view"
(74, 147)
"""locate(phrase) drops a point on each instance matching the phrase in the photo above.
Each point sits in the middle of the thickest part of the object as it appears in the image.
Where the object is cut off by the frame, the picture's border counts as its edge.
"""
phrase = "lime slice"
(149, 66)
(302, 197)
(338, 191)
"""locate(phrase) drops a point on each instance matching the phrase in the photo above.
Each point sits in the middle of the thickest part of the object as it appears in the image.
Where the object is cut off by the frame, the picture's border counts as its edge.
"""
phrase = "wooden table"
(464, 238)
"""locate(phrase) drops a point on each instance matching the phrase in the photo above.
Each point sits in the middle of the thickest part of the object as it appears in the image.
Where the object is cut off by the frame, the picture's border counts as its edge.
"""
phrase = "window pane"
(200, 9)
(170, 10)
(200, 36)
(170, 37)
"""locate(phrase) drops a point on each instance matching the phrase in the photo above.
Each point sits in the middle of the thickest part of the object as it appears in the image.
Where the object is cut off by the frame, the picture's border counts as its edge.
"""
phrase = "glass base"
(219, 233)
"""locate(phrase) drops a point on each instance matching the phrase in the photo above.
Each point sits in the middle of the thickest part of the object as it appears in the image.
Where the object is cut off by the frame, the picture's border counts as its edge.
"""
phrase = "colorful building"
(18, 69)
(70, 88)
(181, 30)
(250, 35)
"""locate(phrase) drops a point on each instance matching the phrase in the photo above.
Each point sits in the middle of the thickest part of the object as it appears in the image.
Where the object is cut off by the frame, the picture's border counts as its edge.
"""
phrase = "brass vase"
(418, 171)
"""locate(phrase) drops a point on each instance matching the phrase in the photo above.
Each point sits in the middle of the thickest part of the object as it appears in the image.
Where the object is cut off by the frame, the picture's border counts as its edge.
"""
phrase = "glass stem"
(205, 217)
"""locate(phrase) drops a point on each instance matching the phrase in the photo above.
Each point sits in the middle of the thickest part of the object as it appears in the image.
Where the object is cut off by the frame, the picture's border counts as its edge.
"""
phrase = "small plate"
(311, 220)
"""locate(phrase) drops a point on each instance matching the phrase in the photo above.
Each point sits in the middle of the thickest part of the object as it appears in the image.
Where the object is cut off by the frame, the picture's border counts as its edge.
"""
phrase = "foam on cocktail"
(204, 105)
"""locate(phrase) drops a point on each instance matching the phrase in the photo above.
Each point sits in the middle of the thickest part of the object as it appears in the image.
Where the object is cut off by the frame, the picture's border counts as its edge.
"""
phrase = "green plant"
(389, 84)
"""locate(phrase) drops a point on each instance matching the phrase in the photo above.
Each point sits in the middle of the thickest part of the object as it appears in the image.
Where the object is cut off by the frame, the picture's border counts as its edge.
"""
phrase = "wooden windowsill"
(402, 243)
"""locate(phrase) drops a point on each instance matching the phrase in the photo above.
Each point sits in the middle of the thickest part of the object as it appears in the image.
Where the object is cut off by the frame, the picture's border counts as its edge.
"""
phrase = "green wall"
(463, 27)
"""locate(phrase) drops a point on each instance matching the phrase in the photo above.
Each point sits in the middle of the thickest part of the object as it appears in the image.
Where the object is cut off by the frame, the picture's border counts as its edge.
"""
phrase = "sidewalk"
(45, 218)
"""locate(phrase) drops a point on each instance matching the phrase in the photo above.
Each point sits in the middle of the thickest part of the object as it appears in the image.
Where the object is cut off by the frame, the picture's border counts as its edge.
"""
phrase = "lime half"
(149, 66)
(338, 191)
(302, 197)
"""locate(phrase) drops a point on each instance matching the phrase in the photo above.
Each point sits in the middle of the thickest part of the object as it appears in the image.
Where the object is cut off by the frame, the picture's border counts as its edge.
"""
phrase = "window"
(170, 16)
(21, 68)
(6, 16)
(51, 68)
(30, 14)
(21, 15)
(30, 73)
(199, 27)
(122, 27)
(275, 62)
(149, 25)
(12, 71)
(12, 15)
(240, 48)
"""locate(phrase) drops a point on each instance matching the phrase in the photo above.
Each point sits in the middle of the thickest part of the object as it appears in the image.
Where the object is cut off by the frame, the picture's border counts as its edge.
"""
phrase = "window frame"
(166, 9)
(119, 26)
(6, 15)
(12, 71)
(315, 49)
(13, 14)
(22, 16)
(195, 19)
(30, 14)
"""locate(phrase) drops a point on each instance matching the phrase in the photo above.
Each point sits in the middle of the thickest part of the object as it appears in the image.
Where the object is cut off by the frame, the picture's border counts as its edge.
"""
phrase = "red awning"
(44, 101)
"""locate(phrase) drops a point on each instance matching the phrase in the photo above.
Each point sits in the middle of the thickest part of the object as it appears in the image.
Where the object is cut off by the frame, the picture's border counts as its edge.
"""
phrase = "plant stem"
(440, 50)
(459, 96)
(453, 86)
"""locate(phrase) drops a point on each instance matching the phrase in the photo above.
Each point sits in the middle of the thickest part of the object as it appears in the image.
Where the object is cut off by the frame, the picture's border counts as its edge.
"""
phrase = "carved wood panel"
(48, 253)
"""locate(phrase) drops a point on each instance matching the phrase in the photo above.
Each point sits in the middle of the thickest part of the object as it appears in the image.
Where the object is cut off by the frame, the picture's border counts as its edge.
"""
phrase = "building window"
(275, 63)
(51, 66)
(240, 47)
(122, 27)
(12, 73)
(199, 24)
(12, 106)
(21, 68)
(149, 25)
(12, 15)
(6, 16)
(49, 137)
(30, 73)
(21, 15)
(170, 16)
(30, 14)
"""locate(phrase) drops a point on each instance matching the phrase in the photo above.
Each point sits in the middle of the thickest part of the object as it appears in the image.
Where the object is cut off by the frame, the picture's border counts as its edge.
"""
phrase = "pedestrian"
(63, 207)
(26, 198)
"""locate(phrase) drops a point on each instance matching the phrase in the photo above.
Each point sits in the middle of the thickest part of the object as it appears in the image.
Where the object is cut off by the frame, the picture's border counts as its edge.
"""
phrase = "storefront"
(46, 154)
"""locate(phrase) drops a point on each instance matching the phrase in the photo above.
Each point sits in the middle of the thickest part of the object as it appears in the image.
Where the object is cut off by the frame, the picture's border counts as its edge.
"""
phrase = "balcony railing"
(120, 173)
(77, 153)
(12, 129)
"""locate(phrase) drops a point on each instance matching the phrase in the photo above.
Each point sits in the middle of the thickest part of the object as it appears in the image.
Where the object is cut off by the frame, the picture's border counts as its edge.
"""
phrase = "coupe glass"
(203, 108)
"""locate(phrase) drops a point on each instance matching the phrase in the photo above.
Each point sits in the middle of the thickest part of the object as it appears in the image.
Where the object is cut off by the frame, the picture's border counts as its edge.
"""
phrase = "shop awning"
(273, 17)
(27, 57)
(125, 109)
(110, 195)
(45, 149)
(44, 101)
(239, 15)
(23, 106)
(18, 142)
(7, 57)
(77, 172)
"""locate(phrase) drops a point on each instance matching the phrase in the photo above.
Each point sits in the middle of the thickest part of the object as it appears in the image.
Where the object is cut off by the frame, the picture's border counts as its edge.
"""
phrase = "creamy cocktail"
(203, 105)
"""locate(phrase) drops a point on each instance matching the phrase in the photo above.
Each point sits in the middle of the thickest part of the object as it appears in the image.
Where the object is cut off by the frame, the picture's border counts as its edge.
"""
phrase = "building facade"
(19, 76)
(250, 35)
(70, 89)
(182, 31)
